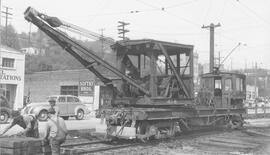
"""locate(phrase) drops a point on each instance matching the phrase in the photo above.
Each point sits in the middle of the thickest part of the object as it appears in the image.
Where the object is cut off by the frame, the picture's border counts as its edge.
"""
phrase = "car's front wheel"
(4, 117)
(80, 114)
(43, 115)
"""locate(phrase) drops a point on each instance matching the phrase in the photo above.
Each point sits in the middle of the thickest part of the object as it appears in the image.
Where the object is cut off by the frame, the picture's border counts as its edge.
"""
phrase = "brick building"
(81, 82)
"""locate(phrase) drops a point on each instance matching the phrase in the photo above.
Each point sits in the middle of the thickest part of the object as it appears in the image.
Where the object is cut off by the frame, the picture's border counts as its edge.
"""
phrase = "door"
(217, 92)
(72, 102)
(62, 104)
(226, 96)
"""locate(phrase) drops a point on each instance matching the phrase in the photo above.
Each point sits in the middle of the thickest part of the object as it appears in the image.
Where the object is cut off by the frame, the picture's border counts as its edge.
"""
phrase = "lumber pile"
(23, 146)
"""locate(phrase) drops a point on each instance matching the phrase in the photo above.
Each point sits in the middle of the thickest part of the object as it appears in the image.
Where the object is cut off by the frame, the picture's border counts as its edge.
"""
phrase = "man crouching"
(28, 122)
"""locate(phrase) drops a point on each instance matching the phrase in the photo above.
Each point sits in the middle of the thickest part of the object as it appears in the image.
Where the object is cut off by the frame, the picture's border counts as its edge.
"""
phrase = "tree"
(10, 38)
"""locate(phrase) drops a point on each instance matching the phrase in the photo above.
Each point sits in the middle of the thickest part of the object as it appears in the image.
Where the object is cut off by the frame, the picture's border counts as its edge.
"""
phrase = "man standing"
(28, 122)
(53, 105)
(55, 131)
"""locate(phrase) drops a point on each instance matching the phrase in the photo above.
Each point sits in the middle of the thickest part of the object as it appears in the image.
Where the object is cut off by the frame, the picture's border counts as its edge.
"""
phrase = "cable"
(208, 10)
(253, 12)
(169, 34)
(181, 4)
(101, 9)
(222, 10)
(164, 10)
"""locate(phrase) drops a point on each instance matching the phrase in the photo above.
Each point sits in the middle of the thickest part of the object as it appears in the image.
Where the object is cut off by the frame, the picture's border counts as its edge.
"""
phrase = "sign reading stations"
(86, 88)
(8, 77)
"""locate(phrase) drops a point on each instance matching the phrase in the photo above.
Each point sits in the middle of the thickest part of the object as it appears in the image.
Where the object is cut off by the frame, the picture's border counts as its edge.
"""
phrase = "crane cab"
(222, 90)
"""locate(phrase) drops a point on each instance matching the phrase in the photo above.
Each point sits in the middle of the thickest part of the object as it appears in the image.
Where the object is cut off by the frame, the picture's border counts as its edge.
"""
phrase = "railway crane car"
(155, 94)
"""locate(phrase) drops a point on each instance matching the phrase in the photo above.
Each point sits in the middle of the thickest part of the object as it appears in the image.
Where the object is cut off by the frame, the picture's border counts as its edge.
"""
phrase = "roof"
(137, 46)
(9, 49)
(145, 41)
(222, 73)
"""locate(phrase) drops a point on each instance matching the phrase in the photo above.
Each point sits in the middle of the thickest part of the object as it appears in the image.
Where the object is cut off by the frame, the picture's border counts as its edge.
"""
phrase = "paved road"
(72, 124)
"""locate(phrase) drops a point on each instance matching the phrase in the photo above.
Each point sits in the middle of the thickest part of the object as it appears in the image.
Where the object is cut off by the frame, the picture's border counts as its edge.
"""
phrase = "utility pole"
(122, 30)
(102, 43)
(7, 14)
(255, 81)
(0, 35)
(212, 43)
(29, 35)
(219, 58)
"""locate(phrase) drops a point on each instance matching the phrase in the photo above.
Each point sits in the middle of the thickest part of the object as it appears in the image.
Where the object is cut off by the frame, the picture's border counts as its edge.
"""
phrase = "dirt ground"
(202, 146)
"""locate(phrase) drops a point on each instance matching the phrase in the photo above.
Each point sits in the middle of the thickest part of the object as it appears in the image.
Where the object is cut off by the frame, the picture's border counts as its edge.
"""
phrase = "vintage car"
(69, 106)
(5, 110)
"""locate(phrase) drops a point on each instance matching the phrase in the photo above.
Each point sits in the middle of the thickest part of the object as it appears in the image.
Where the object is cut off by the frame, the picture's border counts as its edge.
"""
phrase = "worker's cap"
(51, 111)
(52, 100)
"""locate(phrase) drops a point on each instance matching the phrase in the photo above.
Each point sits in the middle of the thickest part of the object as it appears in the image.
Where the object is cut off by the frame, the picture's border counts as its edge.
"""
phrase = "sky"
(242, 21)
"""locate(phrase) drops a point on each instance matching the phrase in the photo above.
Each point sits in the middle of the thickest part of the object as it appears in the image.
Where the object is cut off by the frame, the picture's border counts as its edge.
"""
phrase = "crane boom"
(48, 25)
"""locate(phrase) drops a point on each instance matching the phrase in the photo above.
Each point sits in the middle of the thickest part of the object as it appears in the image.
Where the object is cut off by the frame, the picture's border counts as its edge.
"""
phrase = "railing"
(257, 112)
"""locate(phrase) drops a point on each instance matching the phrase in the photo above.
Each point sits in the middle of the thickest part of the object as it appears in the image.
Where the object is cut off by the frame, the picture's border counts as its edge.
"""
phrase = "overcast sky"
(245, 21)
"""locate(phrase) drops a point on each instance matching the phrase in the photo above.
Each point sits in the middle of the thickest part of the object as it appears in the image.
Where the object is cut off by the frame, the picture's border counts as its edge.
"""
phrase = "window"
(70, 99)
(218, 84)
(8, 62)
(62, 99)
(228, 84)
(161, 65)
(76, 99)
(185, 64)
(145, 66)
(69, 90)
(239, 84)
(217, 90)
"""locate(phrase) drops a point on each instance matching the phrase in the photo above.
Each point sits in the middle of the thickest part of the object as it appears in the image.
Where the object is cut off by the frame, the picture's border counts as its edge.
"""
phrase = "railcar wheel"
(236, 122)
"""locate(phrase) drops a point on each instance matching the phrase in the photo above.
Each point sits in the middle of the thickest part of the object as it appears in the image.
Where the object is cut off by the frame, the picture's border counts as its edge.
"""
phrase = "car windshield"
(52, 98)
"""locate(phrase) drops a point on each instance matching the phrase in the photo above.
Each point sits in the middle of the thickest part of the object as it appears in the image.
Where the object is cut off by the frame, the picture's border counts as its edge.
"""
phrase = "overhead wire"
(207, 11)
(222, 10)
(101, 9)
(180, 4)
(164, 10)
(253, 12)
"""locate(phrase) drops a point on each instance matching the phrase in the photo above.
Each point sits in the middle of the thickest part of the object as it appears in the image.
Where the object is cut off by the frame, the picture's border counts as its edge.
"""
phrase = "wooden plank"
(256, 140)
(233, 141)
(227, 145)
(22, 146)
(256, 133)
(19, 142)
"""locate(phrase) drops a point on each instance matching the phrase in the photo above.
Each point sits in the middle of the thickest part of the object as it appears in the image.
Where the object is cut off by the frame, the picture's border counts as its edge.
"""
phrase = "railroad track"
(208, 141)
(101, 145)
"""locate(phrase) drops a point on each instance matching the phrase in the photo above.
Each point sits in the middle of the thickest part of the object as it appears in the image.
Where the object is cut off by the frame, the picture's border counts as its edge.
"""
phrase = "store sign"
(86, 88)
(8, 77)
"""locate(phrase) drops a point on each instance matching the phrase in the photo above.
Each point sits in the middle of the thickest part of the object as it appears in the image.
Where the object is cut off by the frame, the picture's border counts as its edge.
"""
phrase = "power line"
(223, 10)
(253, 12)
(170, 34)
(208, 10)
(164, 10)
(181, 4)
